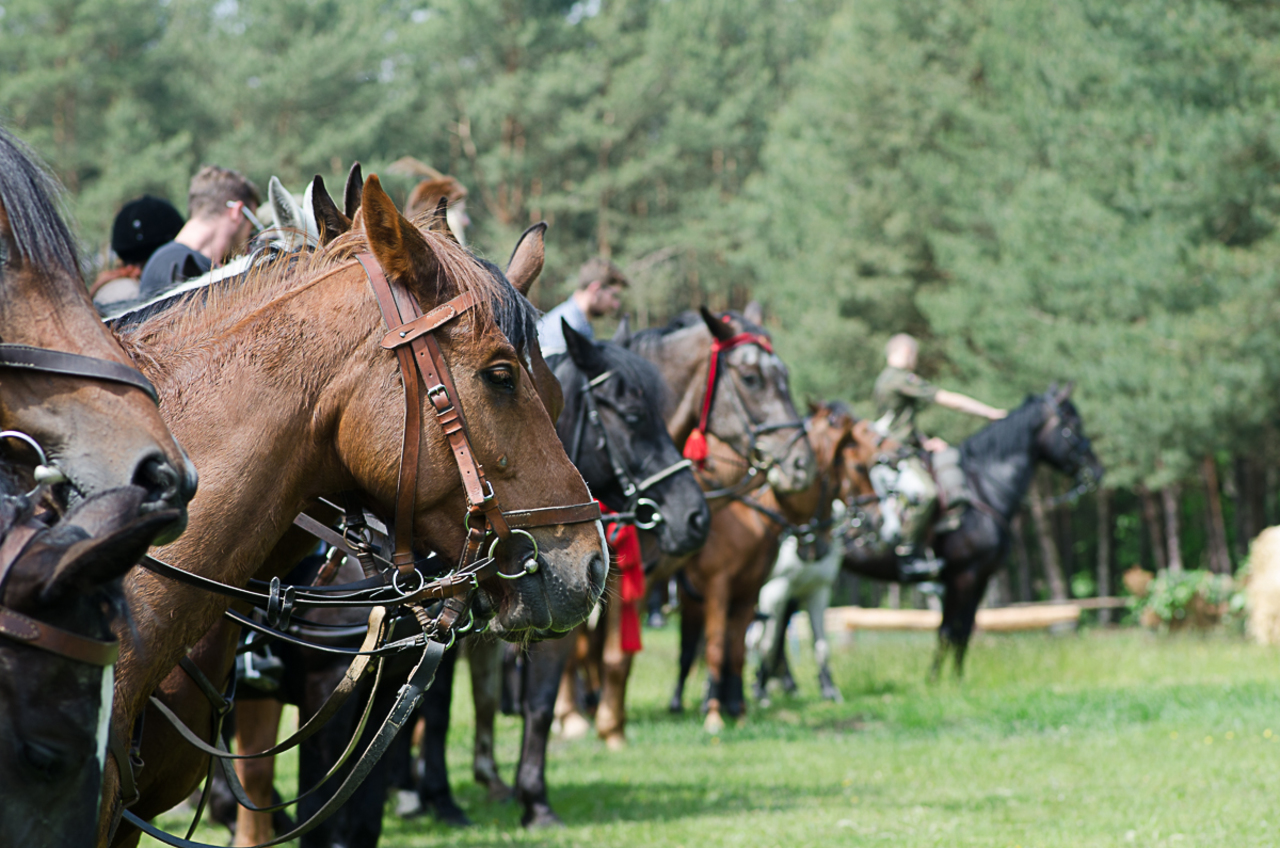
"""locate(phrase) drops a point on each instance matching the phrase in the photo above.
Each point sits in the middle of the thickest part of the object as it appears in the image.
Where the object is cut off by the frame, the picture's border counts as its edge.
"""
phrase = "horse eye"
(751, 381)
(502, 377)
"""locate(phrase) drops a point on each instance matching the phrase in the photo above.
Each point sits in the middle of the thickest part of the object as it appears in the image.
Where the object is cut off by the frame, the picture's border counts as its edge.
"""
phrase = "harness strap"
(26, 357)
(696, 445)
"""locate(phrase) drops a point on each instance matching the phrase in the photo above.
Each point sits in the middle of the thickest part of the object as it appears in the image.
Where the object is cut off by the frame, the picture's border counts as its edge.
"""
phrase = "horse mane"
(1010, 435)
(32, 197)
(632, 368)
(652, 337)
(199, 316)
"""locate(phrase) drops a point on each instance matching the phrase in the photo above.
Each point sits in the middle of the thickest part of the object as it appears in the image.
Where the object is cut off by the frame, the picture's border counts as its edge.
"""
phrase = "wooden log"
(1000, 620)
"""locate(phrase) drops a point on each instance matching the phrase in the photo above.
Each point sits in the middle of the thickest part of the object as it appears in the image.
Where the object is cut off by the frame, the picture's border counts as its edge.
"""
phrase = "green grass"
(1102, 738)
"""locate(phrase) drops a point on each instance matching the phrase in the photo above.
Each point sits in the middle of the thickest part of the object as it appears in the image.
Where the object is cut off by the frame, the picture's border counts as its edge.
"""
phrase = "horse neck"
(683, 359)
(1003, 479)
(251, 408)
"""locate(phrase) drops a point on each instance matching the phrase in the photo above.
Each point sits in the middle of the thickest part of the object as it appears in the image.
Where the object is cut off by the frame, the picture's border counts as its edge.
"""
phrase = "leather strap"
(55, 640)
(546, 516)
(19, 356)
(433, 320)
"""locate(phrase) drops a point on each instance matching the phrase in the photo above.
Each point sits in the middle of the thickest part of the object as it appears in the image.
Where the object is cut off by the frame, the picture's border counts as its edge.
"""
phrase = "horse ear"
(525, 265)
(813, 406)
(351, 194)
(191, 269)
(97, 542)
(754, 313)
(329, 220)
(720, 329)
(583, 352)
(439, 221)
(283, 207)
(1065, 391)
(622, 336)
(401, 250)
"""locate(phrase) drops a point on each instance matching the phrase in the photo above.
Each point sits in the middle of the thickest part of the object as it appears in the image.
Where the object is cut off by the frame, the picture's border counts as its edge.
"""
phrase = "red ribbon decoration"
(695, 447)
(624, 548)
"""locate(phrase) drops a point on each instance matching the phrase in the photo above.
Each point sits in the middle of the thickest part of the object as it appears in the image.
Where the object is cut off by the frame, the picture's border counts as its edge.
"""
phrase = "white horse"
(808, 583)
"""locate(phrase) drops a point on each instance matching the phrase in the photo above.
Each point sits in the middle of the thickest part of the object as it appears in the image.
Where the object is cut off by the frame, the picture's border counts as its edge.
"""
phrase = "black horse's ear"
(583, 352)
(1065, 392)
(754, 313)
(439, 222)
(351, 195)
(190, 268)
(813, 406)
(622, 336)
(722, 330)
(329, 219)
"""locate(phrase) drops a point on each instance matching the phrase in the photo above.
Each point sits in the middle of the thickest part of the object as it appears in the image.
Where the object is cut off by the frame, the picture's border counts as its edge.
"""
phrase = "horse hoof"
(574, 726)
(714, 723)
(451, 814)
(832, 695)
(676, 706)
(407, 804)
(500, 792)
(615, 742)
(541, 820)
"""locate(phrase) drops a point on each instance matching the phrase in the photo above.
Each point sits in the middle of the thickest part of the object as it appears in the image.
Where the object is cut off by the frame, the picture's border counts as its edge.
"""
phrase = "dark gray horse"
(999, 462)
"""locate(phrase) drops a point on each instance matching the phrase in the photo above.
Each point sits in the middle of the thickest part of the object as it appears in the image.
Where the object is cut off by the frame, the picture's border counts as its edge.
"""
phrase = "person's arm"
(964, 403)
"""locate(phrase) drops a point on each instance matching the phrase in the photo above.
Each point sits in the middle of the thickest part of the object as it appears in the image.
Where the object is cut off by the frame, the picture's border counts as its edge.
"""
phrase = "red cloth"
(624, 547)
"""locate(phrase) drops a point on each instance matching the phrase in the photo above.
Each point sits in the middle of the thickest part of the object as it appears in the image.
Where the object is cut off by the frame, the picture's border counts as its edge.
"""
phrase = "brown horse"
(722, 582)
(88, 438)
(750, 419)
(283, 393)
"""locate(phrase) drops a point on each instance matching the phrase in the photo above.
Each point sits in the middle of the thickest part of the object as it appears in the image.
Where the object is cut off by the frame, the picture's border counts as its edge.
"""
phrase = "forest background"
(1083, 190)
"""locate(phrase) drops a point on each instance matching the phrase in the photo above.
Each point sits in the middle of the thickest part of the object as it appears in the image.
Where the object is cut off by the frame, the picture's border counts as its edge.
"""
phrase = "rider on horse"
(906, 488)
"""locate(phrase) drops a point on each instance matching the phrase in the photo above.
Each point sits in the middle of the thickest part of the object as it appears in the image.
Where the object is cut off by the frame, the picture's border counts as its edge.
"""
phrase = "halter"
(63, 364)
(695, 447)
(632, 489)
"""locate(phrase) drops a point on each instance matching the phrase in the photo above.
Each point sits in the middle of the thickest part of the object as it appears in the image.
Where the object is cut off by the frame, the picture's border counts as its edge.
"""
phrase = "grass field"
(1100, 738)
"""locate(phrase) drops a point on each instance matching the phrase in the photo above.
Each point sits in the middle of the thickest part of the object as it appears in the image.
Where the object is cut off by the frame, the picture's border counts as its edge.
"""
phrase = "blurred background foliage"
(1080, 190)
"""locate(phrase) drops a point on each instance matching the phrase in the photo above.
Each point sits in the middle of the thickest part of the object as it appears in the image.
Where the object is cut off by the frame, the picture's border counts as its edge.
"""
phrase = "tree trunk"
(1023, 560)
(1002, 593)
(1048, 548)
(895, 596)
(1104, 551)
(1219, 556)
(1151, 518)
(1251, 502)
(1172, 526)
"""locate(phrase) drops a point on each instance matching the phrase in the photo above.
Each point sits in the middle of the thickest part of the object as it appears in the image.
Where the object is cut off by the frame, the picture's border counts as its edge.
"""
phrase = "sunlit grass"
(1102, 738)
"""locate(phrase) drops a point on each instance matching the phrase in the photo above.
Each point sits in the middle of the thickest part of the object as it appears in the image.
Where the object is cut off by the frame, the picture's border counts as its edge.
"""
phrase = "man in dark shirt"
(222, 204)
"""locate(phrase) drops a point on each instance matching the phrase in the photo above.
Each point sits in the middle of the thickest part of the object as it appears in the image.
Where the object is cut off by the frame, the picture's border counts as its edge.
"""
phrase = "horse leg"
(773, 602)
(611, 716)
(715, 630)
(433, 784)
(740, 617)
(544, 669)
(486, 690)
(816, 605)
(573, 724)
(257, 724)
(691, 616)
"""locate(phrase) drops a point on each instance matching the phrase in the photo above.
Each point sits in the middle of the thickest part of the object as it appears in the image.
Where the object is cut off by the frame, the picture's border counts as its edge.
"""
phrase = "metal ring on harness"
(395, 581)
(44, 472)
(530, 564)
(654, 511)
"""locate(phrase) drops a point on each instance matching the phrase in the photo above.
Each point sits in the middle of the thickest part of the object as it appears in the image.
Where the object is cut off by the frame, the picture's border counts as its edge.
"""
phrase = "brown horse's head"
(55, 706)
(491, 351)
(99, 434)
(831, 429)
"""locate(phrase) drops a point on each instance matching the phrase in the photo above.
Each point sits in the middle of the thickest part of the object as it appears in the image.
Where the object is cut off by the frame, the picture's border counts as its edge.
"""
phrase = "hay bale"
(1263, 588)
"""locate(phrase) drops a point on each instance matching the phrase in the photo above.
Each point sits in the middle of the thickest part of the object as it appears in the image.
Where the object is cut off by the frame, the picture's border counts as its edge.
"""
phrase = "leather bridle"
(632, 489)
(20, 357)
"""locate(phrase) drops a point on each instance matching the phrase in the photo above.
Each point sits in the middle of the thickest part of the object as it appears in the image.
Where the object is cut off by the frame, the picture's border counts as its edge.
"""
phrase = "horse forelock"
(31, 196)
(198, 319)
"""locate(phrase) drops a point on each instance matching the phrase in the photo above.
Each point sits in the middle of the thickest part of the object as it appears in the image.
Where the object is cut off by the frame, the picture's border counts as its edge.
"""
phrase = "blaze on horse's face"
(754, 392)
(511, 436)
(100, 435)
(56, 709)
(1061, 441)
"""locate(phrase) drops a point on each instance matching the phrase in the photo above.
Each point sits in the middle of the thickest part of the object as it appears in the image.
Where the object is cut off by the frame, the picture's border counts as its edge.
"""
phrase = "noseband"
(21, 357)
(632, 489)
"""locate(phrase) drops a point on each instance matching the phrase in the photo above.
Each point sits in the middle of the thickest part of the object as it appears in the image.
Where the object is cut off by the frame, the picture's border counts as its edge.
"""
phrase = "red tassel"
(695, 447)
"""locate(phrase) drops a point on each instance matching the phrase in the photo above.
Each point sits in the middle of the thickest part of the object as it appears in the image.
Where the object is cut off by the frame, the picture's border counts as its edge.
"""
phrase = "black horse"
(998, 462)
(612, 429)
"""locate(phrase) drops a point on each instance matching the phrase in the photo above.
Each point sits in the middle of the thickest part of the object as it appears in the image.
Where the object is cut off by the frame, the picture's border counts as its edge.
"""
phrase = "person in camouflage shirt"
(907, 489)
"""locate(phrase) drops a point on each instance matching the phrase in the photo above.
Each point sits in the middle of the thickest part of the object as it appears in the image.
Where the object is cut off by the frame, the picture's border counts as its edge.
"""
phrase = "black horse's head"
(1061, 441)
(56, 693)
(612, 422)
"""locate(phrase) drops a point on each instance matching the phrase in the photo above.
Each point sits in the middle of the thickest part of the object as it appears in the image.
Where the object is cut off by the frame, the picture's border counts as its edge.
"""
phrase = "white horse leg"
(816, 605)
(773, 603)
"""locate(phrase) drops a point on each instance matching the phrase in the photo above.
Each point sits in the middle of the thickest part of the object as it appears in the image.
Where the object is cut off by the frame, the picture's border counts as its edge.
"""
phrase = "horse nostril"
(162, 481)
(597, 572)
(698, 523)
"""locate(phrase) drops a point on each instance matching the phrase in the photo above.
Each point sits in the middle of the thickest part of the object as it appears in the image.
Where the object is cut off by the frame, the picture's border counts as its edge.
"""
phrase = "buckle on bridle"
(439, 391)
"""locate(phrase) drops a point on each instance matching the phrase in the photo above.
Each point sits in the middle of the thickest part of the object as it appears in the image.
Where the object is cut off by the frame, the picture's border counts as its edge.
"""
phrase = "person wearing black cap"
(141, 226)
